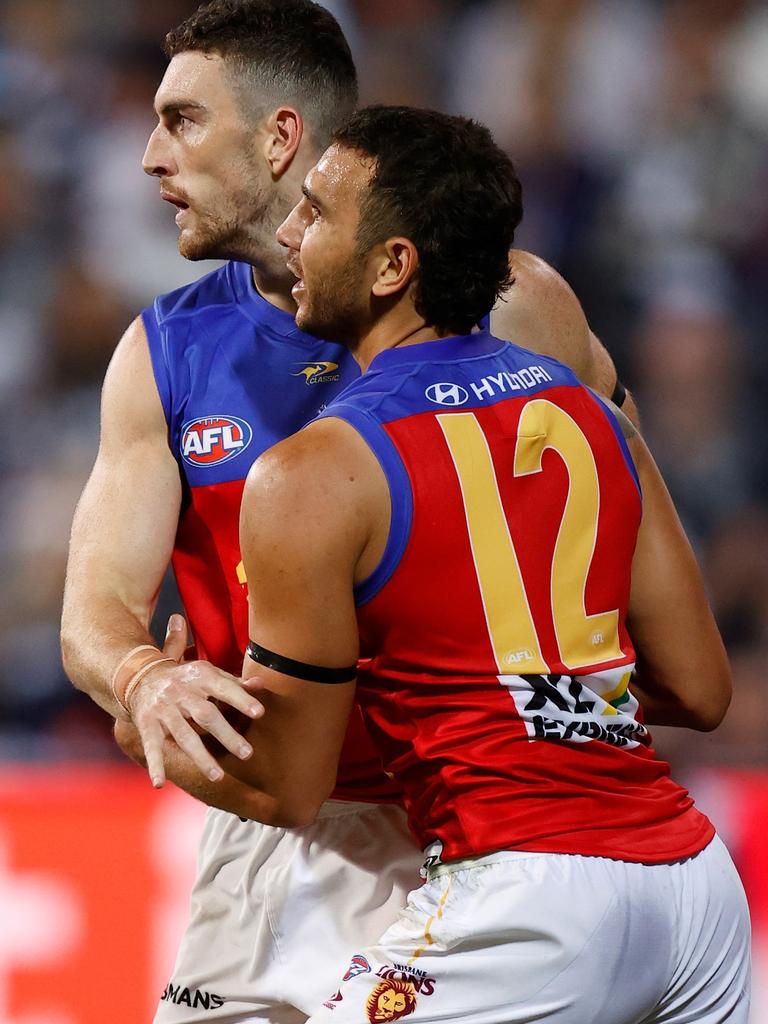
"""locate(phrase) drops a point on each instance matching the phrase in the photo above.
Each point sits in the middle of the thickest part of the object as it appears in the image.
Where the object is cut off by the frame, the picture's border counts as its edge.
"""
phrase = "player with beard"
(203, 382)
(482, 551)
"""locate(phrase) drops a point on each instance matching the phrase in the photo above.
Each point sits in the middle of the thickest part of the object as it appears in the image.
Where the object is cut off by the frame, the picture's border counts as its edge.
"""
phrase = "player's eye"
(178, 122)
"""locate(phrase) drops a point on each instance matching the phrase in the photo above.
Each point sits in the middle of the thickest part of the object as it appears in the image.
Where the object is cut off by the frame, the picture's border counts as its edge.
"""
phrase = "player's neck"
(395, 330)
(275, 288)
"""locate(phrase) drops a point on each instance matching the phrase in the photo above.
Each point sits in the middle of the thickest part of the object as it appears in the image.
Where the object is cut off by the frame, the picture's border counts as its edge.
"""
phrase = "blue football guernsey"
(235, 376)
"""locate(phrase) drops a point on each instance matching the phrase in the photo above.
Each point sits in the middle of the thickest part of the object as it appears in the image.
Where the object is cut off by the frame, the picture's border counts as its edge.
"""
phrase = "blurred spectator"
(127, 235)
(688, 375)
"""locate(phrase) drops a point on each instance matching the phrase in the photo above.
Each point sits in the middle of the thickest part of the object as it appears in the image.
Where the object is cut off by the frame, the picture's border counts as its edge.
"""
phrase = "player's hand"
(177, 701)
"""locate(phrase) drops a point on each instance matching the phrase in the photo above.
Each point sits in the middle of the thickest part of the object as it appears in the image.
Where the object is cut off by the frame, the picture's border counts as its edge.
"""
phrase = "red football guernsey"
(235, 376)
(499, 682)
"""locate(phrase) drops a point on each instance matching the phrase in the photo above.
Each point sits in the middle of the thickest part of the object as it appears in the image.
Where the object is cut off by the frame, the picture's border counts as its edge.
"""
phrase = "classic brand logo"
(211, 440)
(447, 394)
(319, 373)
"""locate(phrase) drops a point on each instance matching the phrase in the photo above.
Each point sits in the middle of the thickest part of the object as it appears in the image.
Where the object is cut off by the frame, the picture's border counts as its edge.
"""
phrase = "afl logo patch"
(447, 394)
(358, 965)
(211, 440)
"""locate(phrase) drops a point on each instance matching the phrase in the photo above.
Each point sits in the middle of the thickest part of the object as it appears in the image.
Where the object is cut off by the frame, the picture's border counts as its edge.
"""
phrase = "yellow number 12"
(582, 639)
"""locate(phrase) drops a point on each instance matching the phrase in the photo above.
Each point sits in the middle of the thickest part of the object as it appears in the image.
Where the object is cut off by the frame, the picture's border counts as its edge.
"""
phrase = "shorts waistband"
(481, 861)
(338, 808)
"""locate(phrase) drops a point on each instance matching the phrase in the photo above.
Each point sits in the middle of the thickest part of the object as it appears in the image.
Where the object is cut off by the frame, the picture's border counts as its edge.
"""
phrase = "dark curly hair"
(443, 183)
(279, 51)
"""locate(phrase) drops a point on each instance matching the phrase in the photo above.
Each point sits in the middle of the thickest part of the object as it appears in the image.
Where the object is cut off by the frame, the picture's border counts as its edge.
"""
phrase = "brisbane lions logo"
(391, 1000)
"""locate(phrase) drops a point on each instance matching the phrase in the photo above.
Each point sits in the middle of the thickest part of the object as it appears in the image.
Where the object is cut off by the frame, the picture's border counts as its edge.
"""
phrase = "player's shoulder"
(215, 289)
(537, 279)
(328, 446)
(541, 311)
(318, 469)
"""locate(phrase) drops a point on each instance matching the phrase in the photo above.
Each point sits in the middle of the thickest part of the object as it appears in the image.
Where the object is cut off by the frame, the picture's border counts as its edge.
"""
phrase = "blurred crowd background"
(640, 129)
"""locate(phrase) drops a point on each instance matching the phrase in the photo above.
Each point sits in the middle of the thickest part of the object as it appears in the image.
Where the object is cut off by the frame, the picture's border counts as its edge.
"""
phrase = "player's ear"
(396, 267)
(284, 132)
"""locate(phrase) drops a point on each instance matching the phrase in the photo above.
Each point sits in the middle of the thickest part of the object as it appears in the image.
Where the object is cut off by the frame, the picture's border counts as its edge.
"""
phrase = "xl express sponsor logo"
(211, 440)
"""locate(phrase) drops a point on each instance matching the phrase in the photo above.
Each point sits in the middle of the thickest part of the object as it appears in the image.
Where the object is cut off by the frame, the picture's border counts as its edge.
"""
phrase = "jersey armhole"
(605, 404)
(159, 361)
(400, 495)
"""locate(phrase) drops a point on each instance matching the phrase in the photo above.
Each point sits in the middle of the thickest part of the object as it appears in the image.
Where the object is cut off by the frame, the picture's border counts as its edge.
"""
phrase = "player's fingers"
(175, 637)
(190, 742)
(233, 693)
(152, 739)
(209, 717)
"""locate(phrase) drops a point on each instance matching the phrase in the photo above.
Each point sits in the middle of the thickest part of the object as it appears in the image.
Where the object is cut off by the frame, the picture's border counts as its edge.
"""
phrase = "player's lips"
(174, 200)
(295, 269)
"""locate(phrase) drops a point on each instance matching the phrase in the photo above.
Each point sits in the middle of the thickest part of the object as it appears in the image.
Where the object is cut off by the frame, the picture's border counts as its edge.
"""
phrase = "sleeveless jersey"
(235, 376)
(496, 657)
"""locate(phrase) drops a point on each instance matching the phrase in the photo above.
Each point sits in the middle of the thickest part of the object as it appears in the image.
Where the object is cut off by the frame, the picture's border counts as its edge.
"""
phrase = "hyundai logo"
(447, 394)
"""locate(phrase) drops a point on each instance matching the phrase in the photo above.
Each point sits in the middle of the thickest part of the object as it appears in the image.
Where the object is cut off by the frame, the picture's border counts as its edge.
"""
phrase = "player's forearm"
(97, 631)
(661, 709)
(233, 795)
(229, 794)
(675, 705)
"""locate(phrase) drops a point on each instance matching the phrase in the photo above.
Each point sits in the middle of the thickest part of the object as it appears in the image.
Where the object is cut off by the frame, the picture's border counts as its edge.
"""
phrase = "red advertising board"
(96, 868)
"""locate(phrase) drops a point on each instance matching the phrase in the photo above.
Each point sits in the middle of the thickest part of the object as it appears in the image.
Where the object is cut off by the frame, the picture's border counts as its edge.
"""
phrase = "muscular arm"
(682, 675)
(122, 537)
(124, 526)
(303, 528)
(541, 312)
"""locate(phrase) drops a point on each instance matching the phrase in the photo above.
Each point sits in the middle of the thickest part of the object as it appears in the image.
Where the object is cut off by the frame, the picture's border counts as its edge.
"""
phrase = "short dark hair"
(444, 183)
(286, 50)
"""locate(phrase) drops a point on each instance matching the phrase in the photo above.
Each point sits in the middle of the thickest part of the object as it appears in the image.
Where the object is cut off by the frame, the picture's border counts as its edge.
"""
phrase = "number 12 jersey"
(496, 664)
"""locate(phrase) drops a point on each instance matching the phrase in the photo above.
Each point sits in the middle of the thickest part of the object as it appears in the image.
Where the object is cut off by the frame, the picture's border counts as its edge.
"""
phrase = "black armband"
(299, 669)
(619, 394)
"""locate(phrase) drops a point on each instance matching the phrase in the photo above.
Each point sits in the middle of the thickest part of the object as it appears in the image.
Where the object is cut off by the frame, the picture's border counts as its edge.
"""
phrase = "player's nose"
(157, 159)
(291, 231)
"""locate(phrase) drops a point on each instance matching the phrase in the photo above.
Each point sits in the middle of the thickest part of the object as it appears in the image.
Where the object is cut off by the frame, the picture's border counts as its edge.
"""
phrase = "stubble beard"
(335, 311)
(239, 229)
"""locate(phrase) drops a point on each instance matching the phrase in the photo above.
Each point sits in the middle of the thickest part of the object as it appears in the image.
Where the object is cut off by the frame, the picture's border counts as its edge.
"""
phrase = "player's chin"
(303, 317)
(194, 246)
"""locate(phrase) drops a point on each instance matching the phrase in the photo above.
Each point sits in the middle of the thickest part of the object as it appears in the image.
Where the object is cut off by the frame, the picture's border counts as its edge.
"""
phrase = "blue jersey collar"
(468, 346)
(258, 310)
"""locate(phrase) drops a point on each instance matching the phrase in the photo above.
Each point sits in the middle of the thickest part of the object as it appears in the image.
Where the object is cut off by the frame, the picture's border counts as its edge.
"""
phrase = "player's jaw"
(326, 294)
(225, 226)
(328, 301)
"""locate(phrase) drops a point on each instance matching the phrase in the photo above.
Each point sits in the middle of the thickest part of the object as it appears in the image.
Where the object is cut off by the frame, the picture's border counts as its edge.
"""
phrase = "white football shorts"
(514, 938)
(276, 913)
